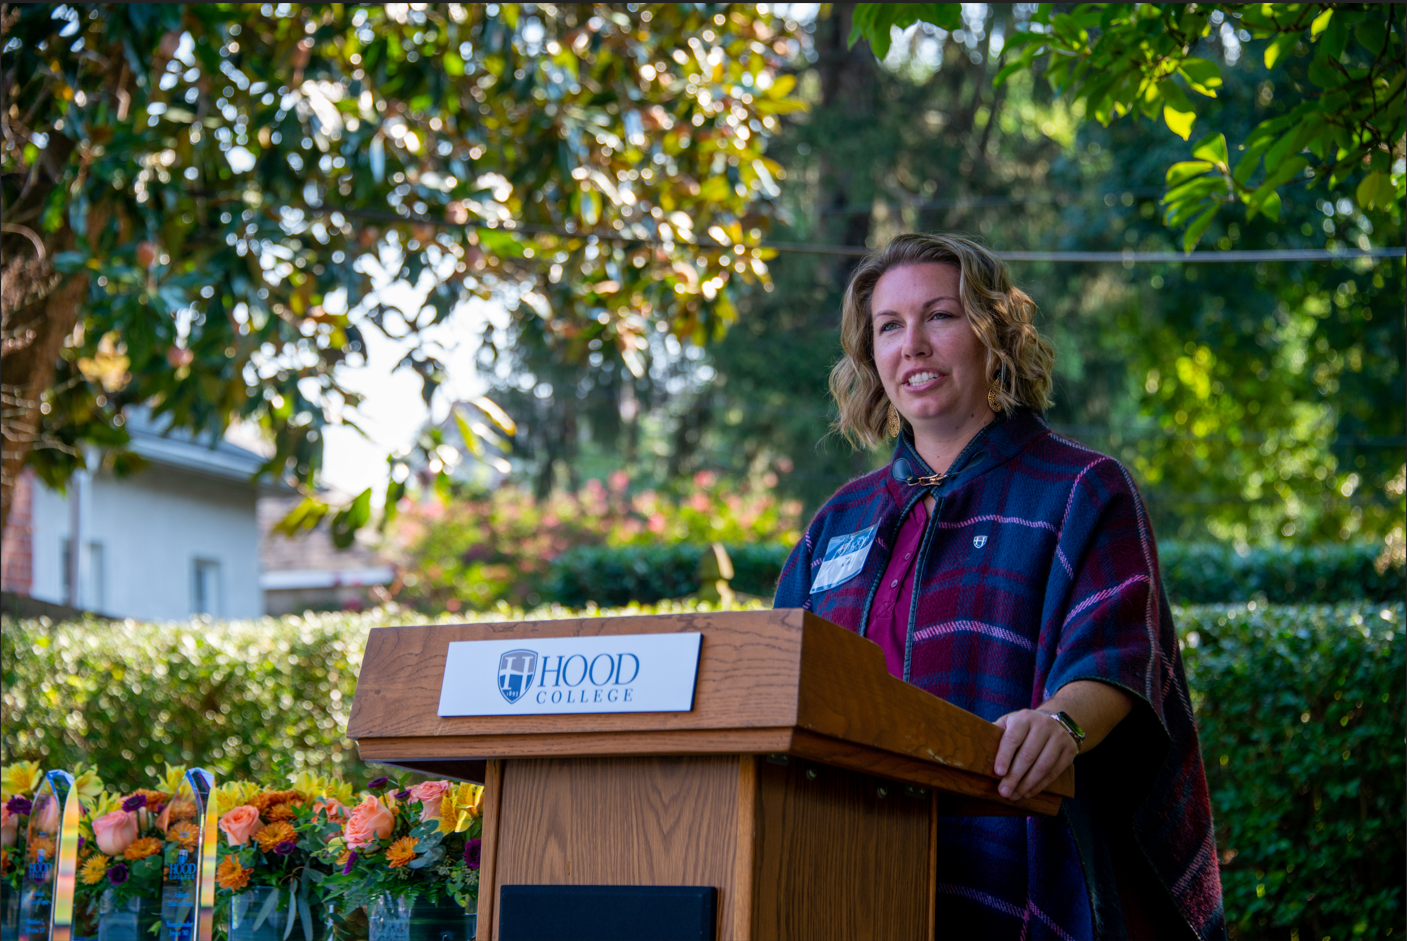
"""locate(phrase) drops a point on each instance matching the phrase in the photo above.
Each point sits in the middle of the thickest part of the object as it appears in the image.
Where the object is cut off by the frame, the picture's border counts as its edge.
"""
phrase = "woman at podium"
(1013, 572)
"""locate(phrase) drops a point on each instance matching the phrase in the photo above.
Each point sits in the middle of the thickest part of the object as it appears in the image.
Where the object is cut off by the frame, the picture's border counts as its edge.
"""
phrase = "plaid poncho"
(1038, 568)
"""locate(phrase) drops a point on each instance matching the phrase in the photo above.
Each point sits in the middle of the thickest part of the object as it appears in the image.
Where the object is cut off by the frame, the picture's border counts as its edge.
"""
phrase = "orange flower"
(185, 834)
(4, 861)
(266, 799)
(142, 848)
(274, 834)
(231, 875)
(343, 857)
(279, 812)
(401, 852)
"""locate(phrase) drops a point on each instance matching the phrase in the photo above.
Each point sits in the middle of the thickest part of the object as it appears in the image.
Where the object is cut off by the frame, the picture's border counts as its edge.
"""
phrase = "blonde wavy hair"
(1019, 359)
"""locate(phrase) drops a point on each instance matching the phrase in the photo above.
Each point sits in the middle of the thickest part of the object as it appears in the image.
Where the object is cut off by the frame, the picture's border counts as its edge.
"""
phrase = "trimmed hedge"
(647, 574)
(1211, 573)
(1301, 718)
(1192, 574)
(1301, 711)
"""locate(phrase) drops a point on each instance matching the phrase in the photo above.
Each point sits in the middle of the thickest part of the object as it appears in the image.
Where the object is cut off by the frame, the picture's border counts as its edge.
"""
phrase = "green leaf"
(1279, 47)
(1212, 148)
(1376, 191)
(1179, 122)
(501, 243)
(1321, 23)
(1202, 76)
(306, 515)
(1371, 33)
(1263, 202)
(350, 518)
(1185, 170)
(1198, 226)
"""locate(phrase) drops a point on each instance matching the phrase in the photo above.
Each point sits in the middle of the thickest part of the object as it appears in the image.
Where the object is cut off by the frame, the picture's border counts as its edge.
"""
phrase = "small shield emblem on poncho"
(979, 541)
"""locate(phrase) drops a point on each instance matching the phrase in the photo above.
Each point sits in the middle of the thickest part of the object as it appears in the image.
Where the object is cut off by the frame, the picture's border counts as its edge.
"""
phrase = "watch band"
(1070, 725)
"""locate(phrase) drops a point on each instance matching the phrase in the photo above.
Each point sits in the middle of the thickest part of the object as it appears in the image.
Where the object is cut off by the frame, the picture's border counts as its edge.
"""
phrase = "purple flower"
(471, 852)
(351, 861)
(135, 802)
(286, 847)
(380, 783)
(117, 874)
(20, 804)
(403, 794)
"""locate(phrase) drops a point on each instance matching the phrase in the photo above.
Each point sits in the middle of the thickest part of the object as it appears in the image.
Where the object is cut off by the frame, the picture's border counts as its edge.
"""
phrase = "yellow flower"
(231, 794)
(172, 780)
(94, 869)
(459, 807)
(104, 802)
(87, 782)
(22, 777)
(401, 852)
(314, 786)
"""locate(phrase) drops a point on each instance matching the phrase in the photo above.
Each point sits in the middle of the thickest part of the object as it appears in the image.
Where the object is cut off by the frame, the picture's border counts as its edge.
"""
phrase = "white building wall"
(153, 528)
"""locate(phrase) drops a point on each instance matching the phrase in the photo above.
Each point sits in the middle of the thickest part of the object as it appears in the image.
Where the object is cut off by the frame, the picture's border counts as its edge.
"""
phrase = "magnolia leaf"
(1198, 226)
(1179, 122)
(1266, 204)
(1201, 75)
(1279, 47)
(350, 518)
(1212, 148)
(1185, 170)
(1376, 191)
(1321, 23)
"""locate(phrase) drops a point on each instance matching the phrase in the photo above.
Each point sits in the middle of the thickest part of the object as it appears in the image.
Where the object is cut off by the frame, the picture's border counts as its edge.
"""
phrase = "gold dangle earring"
(893, 425)
(994, 401)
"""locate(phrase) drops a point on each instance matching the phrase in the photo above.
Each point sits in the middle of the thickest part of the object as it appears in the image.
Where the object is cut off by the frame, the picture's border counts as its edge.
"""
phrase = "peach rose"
(370, 821)
(115, 832)
(335, 810)
(429, 793)
(9, 827)
(239, 824)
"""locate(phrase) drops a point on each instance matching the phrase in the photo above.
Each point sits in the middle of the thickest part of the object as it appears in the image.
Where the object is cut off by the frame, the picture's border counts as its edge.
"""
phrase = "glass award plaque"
(51, 861)
(188, 864)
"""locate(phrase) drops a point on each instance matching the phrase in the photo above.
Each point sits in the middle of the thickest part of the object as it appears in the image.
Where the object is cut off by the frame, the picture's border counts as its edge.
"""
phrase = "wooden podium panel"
(804, 785)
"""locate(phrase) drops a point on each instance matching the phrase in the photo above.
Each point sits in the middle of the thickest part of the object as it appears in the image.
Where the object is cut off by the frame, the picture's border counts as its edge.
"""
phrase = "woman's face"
(930, 361)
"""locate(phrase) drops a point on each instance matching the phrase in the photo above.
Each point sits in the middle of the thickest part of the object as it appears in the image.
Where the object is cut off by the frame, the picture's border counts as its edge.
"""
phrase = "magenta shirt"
(889, 617)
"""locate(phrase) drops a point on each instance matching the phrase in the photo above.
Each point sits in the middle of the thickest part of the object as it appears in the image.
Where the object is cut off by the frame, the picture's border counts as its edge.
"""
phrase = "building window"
(205, 587)
(94, 593)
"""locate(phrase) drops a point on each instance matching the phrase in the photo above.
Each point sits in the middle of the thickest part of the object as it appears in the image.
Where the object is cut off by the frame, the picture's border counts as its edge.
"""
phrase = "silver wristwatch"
(1071, 726)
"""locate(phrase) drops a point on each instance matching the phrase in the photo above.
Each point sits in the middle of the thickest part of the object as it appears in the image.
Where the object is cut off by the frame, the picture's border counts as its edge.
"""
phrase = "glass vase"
(256, 915)
(9, 913)
(397, 919)
(132, 920)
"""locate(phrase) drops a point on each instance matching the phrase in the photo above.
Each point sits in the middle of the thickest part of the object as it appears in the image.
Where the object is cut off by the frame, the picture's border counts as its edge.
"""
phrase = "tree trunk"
(38, 309)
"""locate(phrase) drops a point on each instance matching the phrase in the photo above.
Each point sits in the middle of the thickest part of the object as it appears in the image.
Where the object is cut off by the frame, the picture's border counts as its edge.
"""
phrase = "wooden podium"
(805, 784)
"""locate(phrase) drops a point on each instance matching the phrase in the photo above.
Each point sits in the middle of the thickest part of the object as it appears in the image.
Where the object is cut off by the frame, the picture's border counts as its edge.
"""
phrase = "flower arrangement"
(18, 783)
(272, 838)
(407, 842)
(123, 840)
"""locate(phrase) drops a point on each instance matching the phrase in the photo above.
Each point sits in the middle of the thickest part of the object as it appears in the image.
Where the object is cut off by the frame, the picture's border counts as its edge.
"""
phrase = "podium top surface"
(782, 681)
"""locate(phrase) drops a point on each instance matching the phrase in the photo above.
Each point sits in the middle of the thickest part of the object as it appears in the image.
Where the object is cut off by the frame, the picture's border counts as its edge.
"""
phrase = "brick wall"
(17, 544)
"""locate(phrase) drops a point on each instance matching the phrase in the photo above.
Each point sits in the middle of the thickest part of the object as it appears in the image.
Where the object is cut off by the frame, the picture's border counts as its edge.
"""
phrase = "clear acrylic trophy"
(188, 883)
(51, 861)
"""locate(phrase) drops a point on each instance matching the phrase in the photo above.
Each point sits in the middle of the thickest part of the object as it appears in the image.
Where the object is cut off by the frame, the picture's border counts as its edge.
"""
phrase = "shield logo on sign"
(515, 674)
(979, 541)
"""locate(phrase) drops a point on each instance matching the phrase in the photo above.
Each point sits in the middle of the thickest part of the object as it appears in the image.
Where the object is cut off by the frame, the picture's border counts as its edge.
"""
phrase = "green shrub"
(1301, 713)
(1309, 812)
(1212, 573)
(245, 698)
(1192, 574)
(646, 574)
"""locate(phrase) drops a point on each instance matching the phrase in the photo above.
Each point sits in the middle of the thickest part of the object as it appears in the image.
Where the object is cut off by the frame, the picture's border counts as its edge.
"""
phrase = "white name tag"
(845, 556)
(555, 675)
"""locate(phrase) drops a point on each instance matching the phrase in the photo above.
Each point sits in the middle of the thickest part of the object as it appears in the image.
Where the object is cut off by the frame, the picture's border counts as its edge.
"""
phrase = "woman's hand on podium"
(1036, 748)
